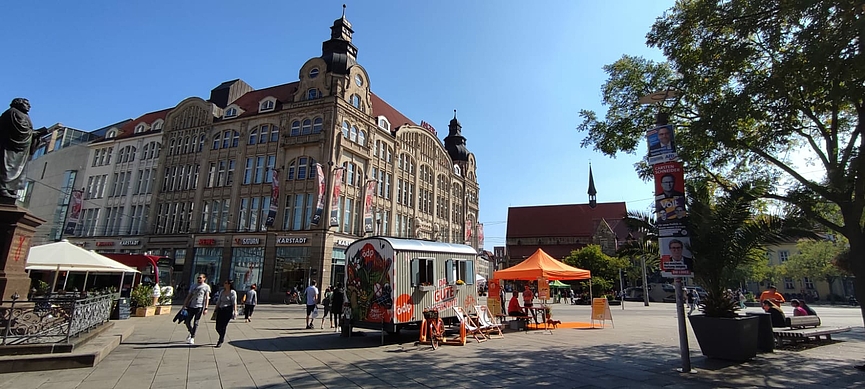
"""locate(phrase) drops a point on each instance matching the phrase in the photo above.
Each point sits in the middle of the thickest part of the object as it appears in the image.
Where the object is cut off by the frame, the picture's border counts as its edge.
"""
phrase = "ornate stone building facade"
(237, 191)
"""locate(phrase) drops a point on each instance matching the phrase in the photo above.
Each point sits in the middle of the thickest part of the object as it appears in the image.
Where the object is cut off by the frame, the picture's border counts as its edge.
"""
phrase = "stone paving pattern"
(275, 351)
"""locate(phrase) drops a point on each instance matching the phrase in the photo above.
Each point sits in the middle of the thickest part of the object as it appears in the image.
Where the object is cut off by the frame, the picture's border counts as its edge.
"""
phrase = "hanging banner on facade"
(367, 205)
(274, 198)
(480, 235)
(334, 200)
(322, 187)
(75, 212)
(468, 232)
(662, 144)
(676, 260)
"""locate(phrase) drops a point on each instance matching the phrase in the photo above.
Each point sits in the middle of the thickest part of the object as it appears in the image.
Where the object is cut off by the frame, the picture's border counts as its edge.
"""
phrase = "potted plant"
(165, 299)
(725, 233)
(142, 299)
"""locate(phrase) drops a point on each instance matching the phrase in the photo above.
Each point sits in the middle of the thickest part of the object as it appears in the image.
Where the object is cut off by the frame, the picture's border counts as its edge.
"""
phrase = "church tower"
(593, 194)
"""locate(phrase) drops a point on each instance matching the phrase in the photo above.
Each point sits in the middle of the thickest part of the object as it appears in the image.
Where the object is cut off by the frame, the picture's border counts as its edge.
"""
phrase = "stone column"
(17, 227)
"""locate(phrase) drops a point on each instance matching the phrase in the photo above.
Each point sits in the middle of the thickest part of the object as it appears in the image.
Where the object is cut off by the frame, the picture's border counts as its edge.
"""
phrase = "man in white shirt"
(195, 305)
(311, 293)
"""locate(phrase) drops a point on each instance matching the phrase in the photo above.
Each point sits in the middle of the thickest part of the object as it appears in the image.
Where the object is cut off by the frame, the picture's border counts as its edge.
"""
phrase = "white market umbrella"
(480, 278)
(65, 256)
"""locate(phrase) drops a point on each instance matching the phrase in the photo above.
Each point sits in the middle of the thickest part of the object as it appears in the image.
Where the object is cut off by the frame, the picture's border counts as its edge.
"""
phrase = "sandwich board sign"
(601, 311)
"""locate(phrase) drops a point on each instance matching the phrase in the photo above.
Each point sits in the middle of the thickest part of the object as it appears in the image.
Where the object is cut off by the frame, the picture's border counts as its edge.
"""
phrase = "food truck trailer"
(390, 281)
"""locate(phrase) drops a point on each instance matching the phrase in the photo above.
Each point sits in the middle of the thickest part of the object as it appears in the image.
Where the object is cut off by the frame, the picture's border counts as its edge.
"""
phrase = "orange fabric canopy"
(540, 264)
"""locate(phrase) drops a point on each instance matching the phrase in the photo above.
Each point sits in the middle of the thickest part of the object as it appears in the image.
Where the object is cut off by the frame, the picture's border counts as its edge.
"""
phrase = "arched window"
(226, 139)
(157, 125)
(302, 168)
(295, 128)
(186, 145)
(316, 126)
(345, 129)
(267, 105)
(235, 139)
(361, 138)
(355, 101)
(307, 127)
(253, 137)
(352, 136)
(311, 94)
(201, 143)
(231, 112)
(111, 134)
(216, 141)
(171, 147)
(263, 134)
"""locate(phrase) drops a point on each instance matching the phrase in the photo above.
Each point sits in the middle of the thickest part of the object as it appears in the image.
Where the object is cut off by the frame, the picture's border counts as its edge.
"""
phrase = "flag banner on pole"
(367, 206)
(468, 232)
(75, 213)
(274, 197)
(334, 200)
(322, 188)
(481, 236)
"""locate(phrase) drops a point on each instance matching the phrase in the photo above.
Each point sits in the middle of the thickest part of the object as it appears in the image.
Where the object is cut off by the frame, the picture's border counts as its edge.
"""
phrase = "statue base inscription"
(17, 227)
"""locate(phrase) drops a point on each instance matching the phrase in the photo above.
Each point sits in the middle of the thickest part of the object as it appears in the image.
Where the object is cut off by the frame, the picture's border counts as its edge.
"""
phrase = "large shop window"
(207, 260)
(422, 271)
(246, 266)
(337, 262)
(291, 267)
(457, 269)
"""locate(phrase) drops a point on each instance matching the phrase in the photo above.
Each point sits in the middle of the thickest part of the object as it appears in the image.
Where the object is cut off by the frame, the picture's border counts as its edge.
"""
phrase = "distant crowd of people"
(199, 298)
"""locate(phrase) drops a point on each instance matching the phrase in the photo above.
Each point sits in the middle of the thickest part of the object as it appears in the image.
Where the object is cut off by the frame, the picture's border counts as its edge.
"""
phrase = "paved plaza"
(275, 351)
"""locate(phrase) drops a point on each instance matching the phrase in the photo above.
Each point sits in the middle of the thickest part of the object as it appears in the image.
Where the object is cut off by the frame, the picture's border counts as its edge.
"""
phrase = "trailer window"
(422, 271)
(460, 269)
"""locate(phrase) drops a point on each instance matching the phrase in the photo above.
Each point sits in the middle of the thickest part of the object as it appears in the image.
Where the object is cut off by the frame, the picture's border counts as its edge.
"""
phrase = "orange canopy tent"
(541, 264)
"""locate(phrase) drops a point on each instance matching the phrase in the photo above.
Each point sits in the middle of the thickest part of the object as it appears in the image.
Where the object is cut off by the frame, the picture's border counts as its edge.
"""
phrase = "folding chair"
(486, 321)
(471, 327)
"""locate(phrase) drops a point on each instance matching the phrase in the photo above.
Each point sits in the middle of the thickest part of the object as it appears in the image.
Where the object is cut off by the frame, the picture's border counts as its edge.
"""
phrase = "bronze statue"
(18, 142)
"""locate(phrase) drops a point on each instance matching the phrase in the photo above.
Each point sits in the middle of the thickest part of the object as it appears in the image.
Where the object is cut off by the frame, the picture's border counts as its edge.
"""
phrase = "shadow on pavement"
(488, 365)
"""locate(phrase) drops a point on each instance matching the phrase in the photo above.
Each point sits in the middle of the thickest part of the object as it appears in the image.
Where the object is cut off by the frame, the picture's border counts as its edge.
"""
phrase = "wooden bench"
(805, 328)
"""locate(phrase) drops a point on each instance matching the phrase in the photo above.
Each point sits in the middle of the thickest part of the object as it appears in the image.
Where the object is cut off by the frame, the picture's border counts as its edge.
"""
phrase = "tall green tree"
(604, 268)
(768, 91)
(816, 259)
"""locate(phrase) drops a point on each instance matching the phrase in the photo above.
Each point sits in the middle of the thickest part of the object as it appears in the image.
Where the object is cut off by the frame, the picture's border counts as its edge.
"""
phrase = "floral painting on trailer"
(369, 269)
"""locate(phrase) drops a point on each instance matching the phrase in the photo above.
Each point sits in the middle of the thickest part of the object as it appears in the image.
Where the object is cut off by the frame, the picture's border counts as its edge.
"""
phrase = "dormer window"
(267, 105)
(383, 123)
(111, 134)
(230, 112)
(312, 94)
(157, 125)
(313, 73)
(139, 128)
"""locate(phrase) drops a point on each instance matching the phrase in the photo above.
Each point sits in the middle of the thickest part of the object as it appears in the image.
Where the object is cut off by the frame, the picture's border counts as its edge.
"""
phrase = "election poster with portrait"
(676, 259)
(669, 192)
(662, 144)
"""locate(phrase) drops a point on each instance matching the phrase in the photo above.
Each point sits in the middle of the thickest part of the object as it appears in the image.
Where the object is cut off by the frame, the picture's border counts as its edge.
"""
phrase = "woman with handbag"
(226, 309)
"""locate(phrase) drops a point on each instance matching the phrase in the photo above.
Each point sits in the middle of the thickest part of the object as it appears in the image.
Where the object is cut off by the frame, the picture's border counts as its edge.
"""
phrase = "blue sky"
(518, 73)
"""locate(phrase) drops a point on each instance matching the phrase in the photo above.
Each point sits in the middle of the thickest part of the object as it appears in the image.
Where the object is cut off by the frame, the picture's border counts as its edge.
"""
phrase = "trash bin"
(765, 336)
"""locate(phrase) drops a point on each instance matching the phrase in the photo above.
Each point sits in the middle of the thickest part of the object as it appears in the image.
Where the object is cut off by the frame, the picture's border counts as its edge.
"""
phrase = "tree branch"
(808, 212)
(821, 190)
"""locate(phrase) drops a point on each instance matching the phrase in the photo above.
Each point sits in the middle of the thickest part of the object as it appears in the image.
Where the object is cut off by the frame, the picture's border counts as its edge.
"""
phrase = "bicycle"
(435, 327)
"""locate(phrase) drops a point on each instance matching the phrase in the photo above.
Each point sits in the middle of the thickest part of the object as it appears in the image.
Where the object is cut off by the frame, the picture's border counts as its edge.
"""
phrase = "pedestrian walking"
(196, 304)
(311, 294)
(336, 301)
(226, 309)
(249, 302)
(691, 301)
(741, 300)
(328, 293)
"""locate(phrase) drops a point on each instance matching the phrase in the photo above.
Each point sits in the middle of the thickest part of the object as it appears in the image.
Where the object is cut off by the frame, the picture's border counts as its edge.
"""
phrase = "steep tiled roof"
(382, 108)
(249, 101)
(562, 220)
(128, 129)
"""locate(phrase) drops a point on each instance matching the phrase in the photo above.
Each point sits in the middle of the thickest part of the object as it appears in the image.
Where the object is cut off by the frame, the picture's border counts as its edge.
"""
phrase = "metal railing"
(52, 319)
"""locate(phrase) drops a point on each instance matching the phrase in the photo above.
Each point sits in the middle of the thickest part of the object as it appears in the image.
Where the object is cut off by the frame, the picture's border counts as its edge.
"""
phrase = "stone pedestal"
(17, 227)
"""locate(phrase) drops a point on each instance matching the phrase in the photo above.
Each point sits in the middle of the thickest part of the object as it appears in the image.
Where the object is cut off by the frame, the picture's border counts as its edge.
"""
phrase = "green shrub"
(142, 296)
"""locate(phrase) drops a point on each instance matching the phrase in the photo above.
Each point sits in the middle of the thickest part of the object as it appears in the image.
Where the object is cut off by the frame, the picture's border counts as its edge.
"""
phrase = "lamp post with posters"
(671, 215)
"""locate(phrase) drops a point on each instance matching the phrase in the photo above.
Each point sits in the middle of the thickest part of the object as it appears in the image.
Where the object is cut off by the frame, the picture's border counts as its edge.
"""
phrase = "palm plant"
(725, 234)
(644, 246)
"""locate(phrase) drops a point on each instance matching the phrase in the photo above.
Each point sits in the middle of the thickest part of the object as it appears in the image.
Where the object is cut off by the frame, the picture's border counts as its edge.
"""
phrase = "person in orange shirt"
(773, 295)
(528, 297)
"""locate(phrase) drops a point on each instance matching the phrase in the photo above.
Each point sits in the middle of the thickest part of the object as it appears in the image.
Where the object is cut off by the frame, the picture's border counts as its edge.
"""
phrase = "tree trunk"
(857, 265)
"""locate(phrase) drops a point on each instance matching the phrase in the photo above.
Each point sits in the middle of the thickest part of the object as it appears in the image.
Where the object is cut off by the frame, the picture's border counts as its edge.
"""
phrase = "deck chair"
(472, 328)
(486, 321)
